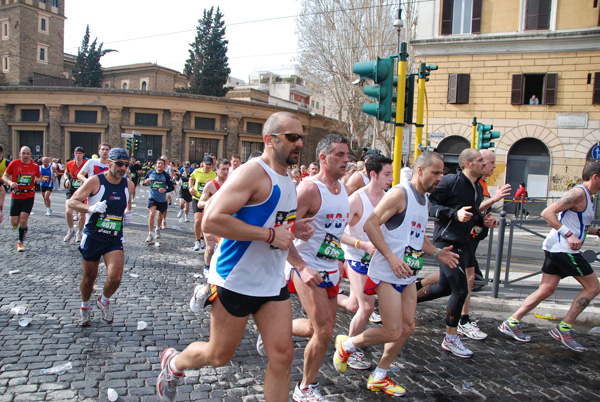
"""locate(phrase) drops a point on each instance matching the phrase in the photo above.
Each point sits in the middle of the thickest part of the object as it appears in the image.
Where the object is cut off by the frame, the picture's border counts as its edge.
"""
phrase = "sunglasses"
(121, 164)
(291, 137)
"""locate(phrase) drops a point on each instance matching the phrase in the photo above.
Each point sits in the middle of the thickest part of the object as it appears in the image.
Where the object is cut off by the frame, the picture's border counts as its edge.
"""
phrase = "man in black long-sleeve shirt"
(455, 203)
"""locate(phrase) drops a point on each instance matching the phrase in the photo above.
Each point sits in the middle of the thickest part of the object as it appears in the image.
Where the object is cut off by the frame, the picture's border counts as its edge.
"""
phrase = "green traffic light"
(381, 72)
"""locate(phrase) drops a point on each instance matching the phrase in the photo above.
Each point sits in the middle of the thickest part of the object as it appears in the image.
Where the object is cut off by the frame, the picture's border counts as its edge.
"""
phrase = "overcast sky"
(147, 31)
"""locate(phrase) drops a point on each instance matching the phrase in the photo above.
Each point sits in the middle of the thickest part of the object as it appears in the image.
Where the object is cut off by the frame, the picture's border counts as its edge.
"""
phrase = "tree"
(335, 34)
(207, 68)
(87, 71)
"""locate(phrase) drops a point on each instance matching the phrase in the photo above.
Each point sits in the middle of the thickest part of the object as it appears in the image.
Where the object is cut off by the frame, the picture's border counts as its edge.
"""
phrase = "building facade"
(493, 57)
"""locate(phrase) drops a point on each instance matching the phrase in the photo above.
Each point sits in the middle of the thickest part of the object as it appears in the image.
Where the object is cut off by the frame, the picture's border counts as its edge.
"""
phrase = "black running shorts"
(20, 205)
(240, 305)
(566, 264)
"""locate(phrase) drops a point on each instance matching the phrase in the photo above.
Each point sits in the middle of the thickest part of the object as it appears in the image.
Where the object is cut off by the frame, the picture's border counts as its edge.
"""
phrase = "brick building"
(493, 55)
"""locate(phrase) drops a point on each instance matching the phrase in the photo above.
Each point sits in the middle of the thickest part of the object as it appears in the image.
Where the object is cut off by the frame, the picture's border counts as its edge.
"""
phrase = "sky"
(260, 36)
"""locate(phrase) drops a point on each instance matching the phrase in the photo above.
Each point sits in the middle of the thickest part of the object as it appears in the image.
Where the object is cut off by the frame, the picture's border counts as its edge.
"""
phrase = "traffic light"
(485, 135)
(136, 145)
(381, 71)
(129, 144)
(409, 98)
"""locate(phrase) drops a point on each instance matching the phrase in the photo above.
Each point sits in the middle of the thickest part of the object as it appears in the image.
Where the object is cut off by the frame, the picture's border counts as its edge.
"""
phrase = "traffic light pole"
(420, 108)
(474, 134)
(399, 124)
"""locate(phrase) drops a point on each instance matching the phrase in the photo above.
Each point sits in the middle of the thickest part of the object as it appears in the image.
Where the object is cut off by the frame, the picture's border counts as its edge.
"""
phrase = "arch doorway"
(450, 148)
(529, 161)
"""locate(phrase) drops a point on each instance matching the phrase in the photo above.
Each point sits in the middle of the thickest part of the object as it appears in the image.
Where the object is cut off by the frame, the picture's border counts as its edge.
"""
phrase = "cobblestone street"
(156, 286)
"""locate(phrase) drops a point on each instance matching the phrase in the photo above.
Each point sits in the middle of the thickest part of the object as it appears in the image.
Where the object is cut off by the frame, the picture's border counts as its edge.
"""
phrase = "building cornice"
(513, 43)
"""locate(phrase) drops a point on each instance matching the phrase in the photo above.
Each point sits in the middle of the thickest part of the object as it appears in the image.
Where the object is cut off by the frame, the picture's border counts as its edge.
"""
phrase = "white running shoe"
(260, 346)
(150, 238)
(157, 233)
(70, 234)
(375, 318)
(185, 218)
(309, 394)
(471, 330)
(78, 236)
(456, 348)
(75, 216)
(48, 212)
(180, 214)
(197, 245)
(202, 244)
(198, 298)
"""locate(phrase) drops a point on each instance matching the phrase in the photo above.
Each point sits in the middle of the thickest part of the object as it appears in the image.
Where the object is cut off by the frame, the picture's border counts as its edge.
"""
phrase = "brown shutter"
(596, 93)
(447, 6)
(452, 88)
(476, 20)
(464, 81)
(516, 96)
(544, 14)
(550, 89)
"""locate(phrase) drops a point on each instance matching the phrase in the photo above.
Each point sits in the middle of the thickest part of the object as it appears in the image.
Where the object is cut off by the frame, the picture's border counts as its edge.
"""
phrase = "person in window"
(534, 100)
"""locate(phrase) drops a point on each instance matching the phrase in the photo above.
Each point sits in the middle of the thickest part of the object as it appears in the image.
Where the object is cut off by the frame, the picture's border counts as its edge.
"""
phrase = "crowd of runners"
(269, 229)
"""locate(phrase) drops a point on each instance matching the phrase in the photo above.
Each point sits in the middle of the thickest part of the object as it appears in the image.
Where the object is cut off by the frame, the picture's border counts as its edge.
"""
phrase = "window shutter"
(516, 96)
(447, 6)
(596, 94)
(464, 81)
(452, 88)
(476, 20)
(544, 14)
(550, 89)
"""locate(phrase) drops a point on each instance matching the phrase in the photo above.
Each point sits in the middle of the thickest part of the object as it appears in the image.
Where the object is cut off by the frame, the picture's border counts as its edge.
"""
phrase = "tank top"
(576, 222)
(404, 234)
(46, 176)
(323, 250)
(358, 231)
(365, 178)
(255, 268)
(110, 223)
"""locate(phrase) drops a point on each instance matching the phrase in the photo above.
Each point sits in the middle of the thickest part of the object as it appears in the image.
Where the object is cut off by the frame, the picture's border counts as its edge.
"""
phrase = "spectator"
(534, 100)
(520, 200)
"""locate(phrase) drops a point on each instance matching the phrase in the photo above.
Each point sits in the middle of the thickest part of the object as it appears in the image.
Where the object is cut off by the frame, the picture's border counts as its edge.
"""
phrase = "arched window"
(124, 85)
(144, 85)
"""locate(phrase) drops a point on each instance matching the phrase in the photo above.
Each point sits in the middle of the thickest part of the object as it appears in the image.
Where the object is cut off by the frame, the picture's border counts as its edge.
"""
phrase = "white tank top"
(365, 178)
(576, 222)
(323, 250)
(404, 234)
(358, 231)
(254, 268)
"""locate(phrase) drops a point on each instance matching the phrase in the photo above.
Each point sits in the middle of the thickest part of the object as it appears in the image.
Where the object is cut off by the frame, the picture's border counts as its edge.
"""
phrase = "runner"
(358, 249)
(254, 283)
(313, 269)
(3, 164)
(236, 162)
(48, 173)
(198, 180)
(455, 203)
(562, 247)
(72, 183)
(397, 229)
(160, 185)
(108, 207)
(22, 175)
(201, 293)
(134, 171)
(169, 171)
(184, 193)
(360, 178)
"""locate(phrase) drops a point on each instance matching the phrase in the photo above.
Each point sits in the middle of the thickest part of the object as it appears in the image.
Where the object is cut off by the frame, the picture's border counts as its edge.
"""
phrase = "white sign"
(406, 140)
(37, 148)
(571, 120)
(436, 135)
(149, 152)
(126, 135)
(136, 133)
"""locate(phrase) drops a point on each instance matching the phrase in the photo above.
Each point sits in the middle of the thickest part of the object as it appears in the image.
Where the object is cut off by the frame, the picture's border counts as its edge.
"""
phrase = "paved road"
(156, 286)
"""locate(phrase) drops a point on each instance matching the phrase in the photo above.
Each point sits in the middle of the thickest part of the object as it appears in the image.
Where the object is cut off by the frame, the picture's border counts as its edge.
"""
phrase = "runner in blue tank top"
(109, 196)
(48, 173)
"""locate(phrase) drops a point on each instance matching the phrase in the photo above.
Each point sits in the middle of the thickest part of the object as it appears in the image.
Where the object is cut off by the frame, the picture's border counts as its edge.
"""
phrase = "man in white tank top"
(358, 250)
(397, 229)
(313, 267)
(562, 247)
(253, 213)
(360, 178)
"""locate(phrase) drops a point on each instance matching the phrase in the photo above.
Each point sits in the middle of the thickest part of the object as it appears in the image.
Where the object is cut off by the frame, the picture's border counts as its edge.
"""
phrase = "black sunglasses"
(291, 137)
(120, 163)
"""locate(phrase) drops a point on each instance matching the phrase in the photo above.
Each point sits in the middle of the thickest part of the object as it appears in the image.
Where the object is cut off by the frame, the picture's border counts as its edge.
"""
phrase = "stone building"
(493, 55)
(39, 109)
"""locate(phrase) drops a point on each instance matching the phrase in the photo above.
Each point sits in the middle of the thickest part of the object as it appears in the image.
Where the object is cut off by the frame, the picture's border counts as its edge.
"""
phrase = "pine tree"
(207, 68)
(87, 71)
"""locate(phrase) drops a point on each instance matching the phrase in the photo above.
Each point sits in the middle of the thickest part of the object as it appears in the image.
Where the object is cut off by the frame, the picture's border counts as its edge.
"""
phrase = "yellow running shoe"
(386, 385)
(340, 357)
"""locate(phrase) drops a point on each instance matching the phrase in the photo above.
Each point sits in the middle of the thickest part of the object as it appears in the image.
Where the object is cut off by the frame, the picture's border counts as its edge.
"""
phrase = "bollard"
(499, 249)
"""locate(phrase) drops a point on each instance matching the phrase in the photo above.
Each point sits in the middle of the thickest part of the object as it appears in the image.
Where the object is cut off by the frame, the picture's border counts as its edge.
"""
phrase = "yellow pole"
(474, 134)
(420, 107)
(400, 97)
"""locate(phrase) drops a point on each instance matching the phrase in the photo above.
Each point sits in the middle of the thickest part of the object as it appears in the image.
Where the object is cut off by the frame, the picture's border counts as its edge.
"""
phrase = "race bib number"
(185, 186)
(200, 187)
(331, 248)
(109, 224)
(45, 179)
(366, 259)
(155, 185)
(24, 180)
(76, 183)
(414, 258)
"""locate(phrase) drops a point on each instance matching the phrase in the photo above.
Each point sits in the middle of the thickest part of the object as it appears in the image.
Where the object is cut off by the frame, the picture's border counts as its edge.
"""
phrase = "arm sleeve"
(438, 198)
